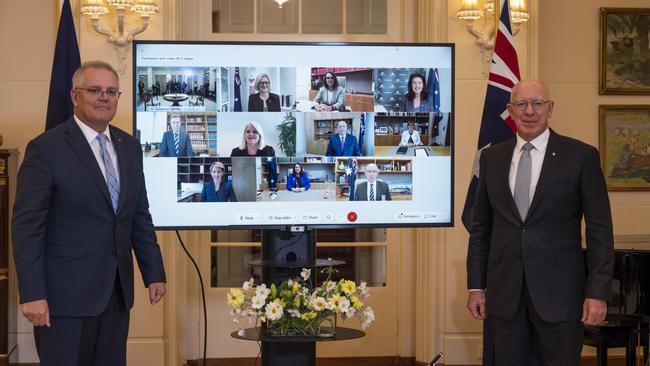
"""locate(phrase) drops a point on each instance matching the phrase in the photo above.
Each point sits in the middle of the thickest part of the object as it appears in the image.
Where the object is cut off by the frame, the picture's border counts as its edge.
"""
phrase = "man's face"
(530, 120)
(371, 172)
(343, 128)
(175, 122)
(96, 110)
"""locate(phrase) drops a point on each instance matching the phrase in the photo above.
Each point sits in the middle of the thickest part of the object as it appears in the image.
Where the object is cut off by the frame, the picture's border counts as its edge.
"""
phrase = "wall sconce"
(280, 2)
(470, 13)
(96, 8)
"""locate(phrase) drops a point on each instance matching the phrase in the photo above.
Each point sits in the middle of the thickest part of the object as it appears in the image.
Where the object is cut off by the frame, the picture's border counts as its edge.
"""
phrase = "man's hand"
(476, 304)
(593, 311)
(156, 291)
(37, 312)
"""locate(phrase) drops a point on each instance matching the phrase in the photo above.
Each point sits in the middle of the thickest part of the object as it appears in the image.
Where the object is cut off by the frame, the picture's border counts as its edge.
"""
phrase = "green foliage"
(287, 134)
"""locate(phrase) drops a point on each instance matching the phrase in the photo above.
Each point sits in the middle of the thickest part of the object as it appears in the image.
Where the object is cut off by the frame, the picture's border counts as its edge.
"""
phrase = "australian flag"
(272, 169)
(66, 61)
(433, 88)
(351, 175)
(237, 106)
(362, 132)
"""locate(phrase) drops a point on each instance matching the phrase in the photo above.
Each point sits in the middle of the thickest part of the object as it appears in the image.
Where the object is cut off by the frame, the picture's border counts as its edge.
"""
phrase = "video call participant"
(298, 181)
(263, 100)
(80, 214)
(372, 189)
(219, 189)
(525, 264)
(343, 143)
(331, 96)
(410, 137)
(175, 142)
(252, 142)
(417, 99)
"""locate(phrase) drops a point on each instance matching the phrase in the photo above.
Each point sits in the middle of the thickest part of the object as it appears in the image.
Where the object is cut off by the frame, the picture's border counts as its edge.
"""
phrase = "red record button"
(352, 216)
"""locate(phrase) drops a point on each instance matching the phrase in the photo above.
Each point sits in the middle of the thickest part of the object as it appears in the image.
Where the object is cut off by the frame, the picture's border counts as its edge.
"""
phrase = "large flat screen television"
(326, 135)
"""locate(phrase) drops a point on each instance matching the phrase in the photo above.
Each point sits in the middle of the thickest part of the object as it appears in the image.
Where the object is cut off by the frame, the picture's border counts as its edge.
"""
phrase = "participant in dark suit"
(168, 146)
(81, 212)
(219, 189)
(372, 189)
(525, 264)
(263, 100)
(298, 181)
(343, 143)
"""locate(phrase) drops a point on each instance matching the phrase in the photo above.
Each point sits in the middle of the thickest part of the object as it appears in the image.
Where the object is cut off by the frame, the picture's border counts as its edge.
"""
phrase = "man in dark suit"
(343, 143)
(81, 211)
(525, 263)
(175, 142)
(372, 189)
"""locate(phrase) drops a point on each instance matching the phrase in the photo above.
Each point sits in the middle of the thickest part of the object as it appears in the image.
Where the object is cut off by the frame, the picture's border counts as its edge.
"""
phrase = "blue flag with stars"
(362, 132)
(272, 169)
(433, 88)
(351, 175)
(237, 105)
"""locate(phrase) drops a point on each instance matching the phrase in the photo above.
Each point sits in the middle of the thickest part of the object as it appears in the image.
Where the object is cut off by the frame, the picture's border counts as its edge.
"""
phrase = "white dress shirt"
(537, 158)
(91, 137)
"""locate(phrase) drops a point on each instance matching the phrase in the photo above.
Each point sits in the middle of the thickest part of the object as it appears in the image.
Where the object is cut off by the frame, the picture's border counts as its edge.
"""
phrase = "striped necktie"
(372, 192)
(176, 144)
(522, 181)
(111, 177)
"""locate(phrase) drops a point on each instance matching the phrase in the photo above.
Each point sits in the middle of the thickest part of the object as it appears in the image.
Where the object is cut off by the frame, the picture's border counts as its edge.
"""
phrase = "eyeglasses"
(97, 91)
(523, 104)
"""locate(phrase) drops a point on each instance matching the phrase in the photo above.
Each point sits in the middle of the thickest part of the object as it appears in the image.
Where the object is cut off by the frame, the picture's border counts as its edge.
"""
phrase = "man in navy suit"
(343, 143)
(525, 266)
(175, 142)
(81, 212)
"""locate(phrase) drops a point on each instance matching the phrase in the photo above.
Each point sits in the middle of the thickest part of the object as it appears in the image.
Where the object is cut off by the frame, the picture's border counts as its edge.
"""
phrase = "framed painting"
(624, 51)
(625, 146)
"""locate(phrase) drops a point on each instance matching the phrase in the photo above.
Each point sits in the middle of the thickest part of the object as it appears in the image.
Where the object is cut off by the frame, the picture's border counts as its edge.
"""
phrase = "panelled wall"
(423, 307)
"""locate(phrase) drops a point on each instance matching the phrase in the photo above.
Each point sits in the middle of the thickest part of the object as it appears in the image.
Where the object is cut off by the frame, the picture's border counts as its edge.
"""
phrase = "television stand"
(284, 254)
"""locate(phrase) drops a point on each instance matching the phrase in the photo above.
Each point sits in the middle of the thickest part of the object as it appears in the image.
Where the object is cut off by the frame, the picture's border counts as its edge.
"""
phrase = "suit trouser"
(557, 344)
(86, 341)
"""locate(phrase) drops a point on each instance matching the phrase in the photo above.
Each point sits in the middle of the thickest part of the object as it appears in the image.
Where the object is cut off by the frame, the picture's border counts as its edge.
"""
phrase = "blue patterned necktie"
(522, 181)
(111, 177)
(372, 191)
(176, 144)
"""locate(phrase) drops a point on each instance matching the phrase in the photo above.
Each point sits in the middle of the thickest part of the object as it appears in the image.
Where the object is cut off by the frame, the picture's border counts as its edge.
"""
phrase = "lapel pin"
(553, 154)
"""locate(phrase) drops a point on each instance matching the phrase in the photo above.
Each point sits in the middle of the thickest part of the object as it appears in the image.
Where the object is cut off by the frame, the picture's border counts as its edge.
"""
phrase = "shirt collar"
(88, 132)
(540, 142)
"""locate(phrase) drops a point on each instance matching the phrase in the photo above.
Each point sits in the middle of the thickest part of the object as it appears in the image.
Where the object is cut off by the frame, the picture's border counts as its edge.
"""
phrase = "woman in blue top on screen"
(298, 181)
(331, 96)
(263, 100)
(220, 189)
(417, 99)
(252, 142)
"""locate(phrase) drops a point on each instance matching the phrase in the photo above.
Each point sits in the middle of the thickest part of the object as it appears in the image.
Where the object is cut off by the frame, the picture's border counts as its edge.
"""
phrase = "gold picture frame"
(624, 51)
(625, 146)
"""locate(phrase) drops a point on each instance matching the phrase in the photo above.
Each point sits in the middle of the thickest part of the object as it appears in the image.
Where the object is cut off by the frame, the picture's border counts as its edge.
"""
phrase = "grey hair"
(77, 77)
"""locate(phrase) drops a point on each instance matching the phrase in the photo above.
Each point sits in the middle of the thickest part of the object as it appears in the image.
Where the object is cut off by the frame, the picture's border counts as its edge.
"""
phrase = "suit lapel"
(122, 161)
(504, 172)
(80, 146)
(551, 160)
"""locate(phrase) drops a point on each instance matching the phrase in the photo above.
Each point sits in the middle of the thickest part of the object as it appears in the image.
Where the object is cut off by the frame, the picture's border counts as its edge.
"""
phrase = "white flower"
(364, 294)
(343, 305)
(257, 302)
(306, 272)
(290, 283)
(248, 284)
(318, 303)
(367, 316)
(273, 310)
(330, 286)
(262, 291)
(330, 305)
(350, 312)
(294, 313)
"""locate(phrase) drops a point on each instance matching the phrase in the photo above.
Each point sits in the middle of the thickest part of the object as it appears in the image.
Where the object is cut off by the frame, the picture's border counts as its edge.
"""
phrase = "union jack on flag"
(497, 124)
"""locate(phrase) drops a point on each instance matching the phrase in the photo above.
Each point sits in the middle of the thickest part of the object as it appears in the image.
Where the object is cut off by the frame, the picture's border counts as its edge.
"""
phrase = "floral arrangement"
(295, 309)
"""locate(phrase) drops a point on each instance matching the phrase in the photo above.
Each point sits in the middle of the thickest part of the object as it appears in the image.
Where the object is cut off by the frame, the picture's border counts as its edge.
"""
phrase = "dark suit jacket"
(350, 148)
(224, 194)
(168, 148)
(255, 103)
(361, 191)
(545, 248)
(68, 242)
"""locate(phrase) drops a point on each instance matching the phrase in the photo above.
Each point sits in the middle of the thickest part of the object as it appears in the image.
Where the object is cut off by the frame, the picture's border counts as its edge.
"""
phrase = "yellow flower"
(356, 302)
(295, 287)
(308, 316)
(348, 287)
(235, 297)
(281, 302)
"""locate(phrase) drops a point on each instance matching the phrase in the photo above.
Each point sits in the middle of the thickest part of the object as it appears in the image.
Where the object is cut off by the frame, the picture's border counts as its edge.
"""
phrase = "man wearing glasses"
(81, 210)
(525, 265)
